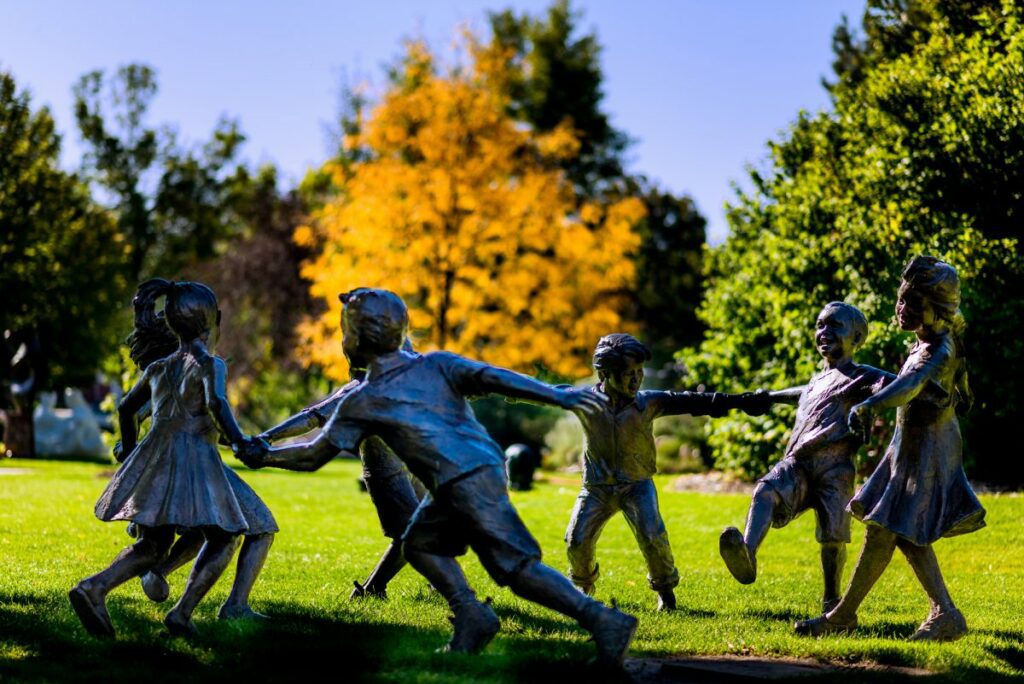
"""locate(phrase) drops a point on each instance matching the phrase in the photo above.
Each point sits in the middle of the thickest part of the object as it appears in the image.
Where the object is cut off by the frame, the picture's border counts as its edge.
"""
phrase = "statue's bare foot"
(367, 590)
(92, 611)
(155, 587)
(737, 556)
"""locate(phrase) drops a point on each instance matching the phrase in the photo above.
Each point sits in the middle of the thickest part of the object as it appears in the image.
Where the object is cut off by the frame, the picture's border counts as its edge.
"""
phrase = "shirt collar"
(389, 362)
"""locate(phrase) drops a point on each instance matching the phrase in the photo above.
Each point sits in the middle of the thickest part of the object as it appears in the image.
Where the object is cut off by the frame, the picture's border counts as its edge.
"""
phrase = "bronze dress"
(919, 490)
(175, 475)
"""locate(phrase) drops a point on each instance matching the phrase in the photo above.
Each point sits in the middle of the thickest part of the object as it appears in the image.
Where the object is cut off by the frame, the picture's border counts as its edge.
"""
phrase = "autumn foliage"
(465, 213)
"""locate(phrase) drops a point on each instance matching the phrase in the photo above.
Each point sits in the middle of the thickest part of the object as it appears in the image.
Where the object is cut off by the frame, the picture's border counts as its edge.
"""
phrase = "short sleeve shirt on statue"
(825, 405)
(417, 405)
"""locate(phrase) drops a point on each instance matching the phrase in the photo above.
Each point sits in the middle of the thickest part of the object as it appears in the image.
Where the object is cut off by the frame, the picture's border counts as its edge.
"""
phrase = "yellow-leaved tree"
(464, 213)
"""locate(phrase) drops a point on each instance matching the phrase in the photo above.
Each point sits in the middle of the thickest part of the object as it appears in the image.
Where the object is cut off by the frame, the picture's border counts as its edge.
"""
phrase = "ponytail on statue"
(151, 339)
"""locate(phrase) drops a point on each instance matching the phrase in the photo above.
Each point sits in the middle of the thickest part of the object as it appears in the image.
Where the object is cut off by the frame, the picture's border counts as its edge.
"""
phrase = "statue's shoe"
(613, 631)
(737, 556)
(367, 590)
(155, 587)
(821, 626)
(666, 601)
(235, 612)
(178, 626)
(93, 614)
(948, 626)
(475, 625)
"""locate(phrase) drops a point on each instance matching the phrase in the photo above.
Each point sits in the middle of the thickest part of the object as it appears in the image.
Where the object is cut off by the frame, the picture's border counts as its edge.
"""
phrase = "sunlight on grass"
(49, 539)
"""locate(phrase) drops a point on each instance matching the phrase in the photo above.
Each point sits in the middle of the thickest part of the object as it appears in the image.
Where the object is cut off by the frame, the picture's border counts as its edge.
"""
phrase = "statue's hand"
(252, 451)
(859, 421)
(588, 401)
(756, 403)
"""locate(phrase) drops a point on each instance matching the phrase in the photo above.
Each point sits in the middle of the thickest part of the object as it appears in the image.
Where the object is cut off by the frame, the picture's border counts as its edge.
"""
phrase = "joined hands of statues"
(859, 421)
(252, 451)
(588, 401)
(756, 403)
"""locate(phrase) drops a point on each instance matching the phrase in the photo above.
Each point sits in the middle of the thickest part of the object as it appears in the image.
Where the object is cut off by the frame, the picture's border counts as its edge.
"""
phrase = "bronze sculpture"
(156, 487)
(919, 492)
(619, 462)
(417, 405)
(817, 471)
(393, 490)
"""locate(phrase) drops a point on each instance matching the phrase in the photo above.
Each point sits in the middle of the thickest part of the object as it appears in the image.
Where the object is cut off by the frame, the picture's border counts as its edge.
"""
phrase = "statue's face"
(913, 312)
(835, 337)
(350, 343)
(626, 381)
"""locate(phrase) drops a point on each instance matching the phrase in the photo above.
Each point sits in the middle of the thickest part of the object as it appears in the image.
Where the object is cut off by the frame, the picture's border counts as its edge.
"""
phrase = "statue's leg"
(154, 582)
(594, 506)
(640, 506)
(389, 565)
(879, 543)
(250, 563)
(944, 622)
(88, 597)
(213, 559)
(395, 498)
(833, 560)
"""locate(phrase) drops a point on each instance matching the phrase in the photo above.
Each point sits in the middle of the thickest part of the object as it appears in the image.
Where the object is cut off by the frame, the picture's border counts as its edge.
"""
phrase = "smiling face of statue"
(836, 335)
(914, 312)
(623, 382)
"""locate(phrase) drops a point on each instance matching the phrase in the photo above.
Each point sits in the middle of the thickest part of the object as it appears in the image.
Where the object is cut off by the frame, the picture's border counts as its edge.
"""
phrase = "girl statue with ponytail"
(173, 479)
(918, 493)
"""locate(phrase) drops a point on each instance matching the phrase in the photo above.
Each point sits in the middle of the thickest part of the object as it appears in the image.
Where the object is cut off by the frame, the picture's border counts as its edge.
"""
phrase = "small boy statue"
(619, 462)
(417, 405)
(817, 470)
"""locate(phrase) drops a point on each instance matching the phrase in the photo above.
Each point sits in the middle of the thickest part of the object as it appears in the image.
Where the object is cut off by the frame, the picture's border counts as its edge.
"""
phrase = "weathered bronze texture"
(918, 493)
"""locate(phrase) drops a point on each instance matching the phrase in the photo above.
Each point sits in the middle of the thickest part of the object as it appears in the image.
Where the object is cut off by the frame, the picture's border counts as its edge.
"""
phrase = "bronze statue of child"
(393, 490)
(919, 492)
(619, 462)
(417, 404)
(817, 471)
(151, 340)
(174, 478)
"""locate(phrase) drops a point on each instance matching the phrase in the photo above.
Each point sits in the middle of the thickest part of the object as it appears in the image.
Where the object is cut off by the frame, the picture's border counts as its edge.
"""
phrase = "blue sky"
(700, 85)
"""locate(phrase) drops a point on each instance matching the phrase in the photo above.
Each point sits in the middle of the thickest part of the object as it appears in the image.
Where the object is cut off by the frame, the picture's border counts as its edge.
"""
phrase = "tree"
(63, 258)
(555, 79)
(922, 152)
(171, 202)
(467, 215)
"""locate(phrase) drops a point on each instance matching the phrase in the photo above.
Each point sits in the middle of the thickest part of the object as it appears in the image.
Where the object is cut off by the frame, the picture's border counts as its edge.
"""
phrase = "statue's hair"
(191, 310)
(151, 339)
(612, 352)
(854, 316)
(939, 283)
(378, 317)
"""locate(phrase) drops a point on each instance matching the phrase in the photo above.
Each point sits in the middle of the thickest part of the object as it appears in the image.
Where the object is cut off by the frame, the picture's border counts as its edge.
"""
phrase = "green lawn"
(49, 539)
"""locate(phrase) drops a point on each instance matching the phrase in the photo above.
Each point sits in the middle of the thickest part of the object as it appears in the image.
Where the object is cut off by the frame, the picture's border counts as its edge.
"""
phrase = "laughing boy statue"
(817, 470)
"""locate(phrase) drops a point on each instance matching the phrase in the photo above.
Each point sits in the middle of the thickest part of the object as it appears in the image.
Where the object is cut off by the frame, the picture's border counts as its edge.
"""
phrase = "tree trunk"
(19, 437)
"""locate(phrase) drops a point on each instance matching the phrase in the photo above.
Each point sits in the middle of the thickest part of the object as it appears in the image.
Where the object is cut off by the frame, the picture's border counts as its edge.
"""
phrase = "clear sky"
(701, 85)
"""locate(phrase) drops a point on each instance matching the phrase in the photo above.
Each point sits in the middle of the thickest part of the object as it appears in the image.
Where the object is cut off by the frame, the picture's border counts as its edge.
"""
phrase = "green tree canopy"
(172, 203)
(922, 152)
(62, 256)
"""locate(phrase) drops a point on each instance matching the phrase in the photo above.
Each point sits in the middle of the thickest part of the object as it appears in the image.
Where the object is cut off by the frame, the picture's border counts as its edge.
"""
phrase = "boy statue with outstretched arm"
(417, 405)
(817, 470)
(619, 462)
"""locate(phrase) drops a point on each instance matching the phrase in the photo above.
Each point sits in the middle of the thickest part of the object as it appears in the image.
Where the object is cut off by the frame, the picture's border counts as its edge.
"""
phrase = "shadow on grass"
(41, 640)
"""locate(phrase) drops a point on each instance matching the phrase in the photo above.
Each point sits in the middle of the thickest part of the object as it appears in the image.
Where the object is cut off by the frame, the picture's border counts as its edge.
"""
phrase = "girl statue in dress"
(174, 479)
(919, 492)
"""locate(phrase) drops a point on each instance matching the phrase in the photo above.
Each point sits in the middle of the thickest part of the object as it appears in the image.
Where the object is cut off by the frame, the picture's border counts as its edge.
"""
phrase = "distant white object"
(74, 431)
